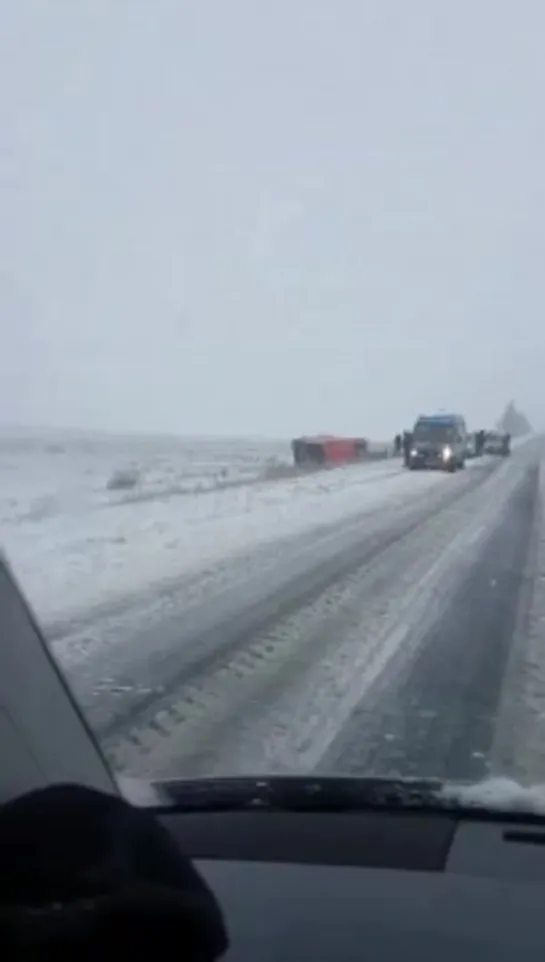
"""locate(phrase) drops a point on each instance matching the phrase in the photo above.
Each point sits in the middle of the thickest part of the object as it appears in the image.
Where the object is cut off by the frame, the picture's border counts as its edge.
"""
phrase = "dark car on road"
(439, 441)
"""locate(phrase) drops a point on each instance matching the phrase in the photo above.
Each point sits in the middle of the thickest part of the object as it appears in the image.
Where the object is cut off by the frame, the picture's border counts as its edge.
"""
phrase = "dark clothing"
(84, 875)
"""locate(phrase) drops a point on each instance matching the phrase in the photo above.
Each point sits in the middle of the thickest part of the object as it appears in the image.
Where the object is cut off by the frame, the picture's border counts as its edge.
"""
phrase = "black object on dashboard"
(83, 873)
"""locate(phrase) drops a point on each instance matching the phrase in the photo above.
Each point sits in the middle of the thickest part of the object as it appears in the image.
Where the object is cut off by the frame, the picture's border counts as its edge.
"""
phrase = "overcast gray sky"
(229, 216)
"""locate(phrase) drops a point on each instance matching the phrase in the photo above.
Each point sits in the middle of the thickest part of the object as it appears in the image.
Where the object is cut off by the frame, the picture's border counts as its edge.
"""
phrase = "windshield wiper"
(334, 794)
(299, 794)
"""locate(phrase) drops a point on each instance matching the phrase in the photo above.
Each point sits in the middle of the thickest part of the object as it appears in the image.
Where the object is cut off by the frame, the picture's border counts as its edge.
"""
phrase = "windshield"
(428, 431)
(243, 247)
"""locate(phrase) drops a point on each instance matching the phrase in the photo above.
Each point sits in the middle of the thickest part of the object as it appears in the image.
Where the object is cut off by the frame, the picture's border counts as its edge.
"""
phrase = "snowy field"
(76, 542)
(61, 517)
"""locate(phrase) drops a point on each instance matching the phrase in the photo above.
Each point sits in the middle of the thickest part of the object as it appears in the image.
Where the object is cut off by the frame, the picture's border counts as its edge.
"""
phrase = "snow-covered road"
(364, 620)
(291, 683)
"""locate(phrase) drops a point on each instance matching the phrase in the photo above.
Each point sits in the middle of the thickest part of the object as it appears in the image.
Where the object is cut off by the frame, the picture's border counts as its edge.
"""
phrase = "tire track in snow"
(519, 743)
(439, 718)
(196, 641)
(278, 700)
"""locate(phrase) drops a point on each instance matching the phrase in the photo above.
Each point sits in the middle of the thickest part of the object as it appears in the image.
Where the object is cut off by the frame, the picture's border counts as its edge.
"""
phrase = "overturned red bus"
(324, 449)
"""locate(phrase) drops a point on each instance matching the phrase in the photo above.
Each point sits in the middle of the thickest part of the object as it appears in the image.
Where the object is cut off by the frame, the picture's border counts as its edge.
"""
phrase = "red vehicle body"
(327, 449)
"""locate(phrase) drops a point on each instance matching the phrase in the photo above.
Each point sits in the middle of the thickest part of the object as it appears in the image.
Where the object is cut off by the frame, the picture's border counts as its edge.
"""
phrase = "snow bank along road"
(392, 640)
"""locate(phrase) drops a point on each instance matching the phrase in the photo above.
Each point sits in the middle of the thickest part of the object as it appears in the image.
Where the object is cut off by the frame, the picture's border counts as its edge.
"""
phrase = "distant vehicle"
(324, 450)
(497, 443)
(439, 441)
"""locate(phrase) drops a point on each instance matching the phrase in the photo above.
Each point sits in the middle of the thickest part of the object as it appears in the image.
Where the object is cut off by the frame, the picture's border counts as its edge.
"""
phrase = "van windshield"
(434, 431)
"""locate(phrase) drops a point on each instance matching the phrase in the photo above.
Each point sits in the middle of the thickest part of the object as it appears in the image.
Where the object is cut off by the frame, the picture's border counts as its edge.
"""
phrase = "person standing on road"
(407, 444)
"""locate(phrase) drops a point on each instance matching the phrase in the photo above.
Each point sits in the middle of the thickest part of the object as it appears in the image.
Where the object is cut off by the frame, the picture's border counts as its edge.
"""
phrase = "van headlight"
(413, 452)
(447, 453)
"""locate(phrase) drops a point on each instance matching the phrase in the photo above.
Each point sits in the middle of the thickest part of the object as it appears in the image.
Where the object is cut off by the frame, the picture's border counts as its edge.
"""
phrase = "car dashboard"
(370, 885)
